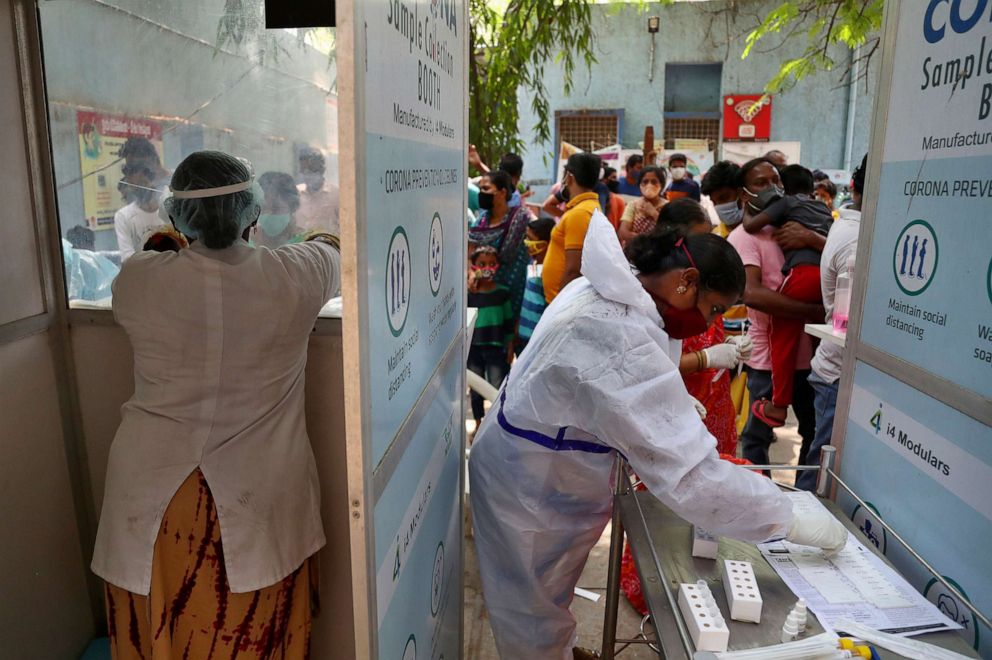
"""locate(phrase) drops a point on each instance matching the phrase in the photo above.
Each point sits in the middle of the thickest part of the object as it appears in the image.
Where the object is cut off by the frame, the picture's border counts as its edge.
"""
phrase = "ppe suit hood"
(608, 271)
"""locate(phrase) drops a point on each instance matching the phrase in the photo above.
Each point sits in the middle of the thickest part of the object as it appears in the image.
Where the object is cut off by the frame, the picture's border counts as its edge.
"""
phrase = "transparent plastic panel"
(134, 86)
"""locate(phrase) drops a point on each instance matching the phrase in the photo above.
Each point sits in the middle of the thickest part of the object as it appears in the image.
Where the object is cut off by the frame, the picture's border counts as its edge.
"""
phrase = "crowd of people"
(739, 351)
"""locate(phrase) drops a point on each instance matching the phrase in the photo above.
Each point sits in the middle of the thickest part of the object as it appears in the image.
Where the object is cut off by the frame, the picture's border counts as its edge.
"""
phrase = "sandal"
(758, 410)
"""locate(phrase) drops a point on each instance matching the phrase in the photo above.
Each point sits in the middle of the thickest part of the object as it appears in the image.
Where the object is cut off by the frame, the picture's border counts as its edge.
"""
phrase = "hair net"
(214, 198)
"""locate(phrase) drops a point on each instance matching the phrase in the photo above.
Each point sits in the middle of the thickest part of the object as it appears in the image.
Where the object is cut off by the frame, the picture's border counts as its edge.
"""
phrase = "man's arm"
(794, 236)
(763, 299)
(550, 206)
(573, 265)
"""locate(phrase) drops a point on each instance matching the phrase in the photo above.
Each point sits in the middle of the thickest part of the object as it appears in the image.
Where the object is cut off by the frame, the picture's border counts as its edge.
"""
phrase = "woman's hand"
(818, 529)
(722, 356)
(744, 345)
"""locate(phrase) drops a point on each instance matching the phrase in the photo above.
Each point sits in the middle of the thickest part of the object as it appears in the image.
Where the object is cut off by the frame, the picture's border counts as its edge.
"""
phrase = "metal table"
(661, 543)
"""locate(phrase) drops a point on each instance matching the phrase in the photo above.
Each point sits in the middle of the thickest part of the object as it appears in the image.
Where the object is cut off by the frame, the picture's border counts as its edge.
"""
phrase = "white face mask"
(678, 173)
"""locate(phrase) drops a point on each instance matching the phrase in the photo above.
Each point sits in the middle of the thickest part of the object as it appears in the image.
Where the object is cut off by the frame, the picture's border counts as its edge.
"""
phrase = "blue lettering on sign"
(959, 23)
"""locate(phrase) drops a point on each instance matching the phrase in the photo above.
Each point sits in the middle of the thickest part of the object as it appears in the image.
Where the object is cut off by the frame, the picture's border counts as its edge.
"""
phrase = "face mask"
(614, 186)
(483, 273)
(313, 181)
(678, 173)
(761, 199)
(142, 196)
(729, 213)
(566, 194)
(535, 248)
(273, 224)
(485, 201)
(651, 190)
(684, 323)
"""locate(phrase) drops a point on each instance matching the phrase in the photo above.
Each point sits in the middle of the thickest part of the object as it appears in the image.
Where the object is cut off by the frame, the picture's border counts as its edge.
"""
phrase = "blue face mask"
(729, 213)
(273, 224)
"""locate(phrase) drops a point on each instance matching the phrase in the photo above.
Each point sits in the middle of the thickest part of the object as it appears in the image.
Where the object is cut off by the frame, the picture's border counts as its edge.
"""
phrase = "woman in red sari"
(709, 384)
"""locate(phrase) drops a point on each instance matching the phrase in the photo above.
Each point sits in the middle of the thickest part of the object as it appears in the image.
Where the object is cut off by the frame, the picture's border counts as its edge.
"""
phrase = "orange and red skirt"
(191, 611)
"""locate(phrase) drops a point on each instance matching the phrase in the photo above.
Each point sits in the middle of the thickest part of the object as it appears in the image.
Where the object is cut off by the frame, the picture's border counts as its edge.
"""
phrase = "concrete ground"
(479, 644)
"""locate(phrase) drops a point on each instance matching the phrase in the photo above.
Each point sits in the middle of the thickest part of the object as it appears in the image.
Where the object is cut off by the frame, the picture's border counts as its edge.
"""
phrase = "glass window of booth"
(134, 86)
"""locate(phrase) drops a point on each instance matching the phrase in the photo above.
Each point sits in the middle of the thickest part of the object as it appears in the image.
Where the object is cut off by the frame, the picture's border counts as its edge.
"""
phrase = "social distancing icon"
(398, 275)
(914, 260)
(437, 579)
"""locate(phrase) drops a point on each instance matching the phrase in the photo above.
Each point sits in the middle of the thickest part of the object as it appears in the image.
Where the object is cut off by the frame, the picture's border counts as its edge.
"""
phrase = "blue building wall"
(814, 112)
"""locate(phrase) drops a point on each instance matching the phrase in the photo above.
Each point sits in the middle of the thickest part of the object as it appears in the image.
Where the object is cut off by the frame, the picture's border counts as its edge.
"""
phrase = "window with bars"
(588, 130)
(681, 128)
(692, 103)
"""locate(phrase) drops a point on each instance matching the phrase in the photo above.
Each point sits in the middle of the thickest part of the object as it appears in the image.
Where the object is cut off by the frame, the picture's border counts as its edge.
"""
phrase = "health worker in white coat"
(600, 375)
(211, 511)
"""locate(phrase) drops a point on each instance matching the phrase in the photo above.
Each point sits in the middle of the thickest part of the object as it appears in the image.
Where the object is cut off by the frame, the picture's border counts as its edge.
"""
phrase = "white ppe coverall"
(599, 375)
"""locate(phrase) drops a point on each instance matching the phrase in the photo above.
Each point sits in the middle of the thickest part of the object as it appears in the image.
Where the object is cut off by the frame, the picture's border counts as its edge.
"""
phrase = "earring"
(681, 289)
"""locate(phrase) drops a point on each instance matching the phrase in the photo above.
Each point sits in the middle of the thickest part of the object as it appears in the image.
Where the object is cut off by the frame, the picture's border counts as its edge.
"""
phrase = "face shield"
(184, 207)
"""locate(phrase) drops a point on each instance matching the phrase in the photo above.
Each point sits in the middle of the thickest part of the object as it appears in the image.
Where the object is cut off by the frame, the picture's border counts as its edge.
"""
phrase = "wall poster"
(101, 137)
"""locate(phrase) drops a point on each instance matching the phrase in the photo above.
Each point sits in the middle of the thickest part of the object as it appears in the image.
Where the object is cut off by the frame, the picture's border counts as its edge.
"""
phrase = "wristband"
(324, 237)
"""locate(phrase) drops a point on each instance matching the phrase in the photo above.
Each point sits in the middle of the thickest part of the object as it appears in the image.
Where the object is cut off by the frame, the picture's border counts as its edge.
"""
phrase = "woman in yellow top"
(564, 258)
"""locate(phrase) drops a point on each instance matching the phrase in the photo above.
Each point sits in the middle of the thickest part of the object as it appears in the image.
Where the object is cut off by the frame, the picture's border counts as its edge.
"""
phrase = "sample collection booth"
(364, 126)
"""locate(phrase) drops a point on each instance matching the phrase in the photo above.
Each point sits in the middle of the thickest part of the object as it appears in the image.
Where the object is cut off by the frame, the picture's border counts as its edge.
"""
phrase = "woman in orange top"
(615, 208)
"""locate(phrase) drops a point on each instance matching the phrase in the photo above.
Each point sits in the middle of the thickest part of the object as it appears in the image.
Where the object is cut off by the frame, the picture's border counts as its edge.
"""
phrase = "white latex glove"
(820, 530)
(700, 408)
(722, 356)
(744, 345)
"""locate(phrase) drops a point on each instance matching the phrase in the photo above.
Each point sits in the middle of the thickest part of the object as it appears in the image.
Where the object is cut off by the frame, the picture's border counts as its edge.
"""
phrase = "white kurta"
(600, 368)
(220, 345)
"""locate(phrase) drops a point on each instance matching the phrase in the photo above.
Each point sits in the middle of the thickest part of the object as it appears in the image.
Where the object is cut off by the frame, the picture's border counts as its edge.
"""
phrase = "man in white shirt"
(143, 178)
(319, 199)
(842, 242)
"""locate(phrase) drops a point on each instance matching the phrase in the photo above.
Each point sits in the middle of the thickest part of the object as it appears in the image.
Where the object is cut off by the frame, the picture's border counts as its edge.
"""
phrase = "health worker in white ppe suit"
(599, 376)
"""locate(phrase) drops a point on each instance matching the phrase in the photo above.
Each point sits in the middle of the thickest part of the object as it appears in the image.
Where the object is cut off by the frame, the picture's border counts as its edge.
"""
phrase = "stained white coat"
(220, 345)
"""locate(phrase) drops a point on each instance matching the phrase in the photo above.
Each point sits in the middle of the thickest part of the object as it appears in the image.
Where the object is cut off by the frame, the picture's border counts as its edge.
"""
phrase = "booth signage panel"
(918, 462)
(416, 236)
(415, 182)
(929, 293)
(417, 539)
(410, 62)
(914, 442)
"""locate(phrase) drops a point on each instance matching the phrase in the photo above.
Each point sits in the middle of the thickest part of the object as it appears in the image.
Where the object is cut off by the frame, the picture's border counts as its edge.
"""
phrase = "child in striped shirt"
(492, 340)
